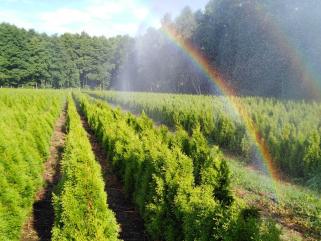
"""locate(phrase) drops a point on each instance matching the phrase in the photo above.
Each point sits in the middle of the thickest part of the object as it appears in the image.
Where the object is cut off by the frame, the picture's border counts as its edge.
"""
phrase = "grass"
(294, 207)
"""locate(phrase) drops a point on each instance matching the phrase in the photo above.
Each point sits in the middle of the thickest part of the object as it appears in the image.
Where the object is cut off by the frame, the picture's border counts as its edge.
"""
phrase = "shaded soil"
(39, 224)
(131, 224)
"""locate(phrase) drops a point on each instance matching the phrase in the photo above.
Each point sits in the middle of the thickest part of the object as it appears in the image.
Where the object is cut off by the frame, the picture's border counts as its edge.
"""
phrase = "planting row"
(291, 130)
(27, 121)
(179, 184)
(81, 210)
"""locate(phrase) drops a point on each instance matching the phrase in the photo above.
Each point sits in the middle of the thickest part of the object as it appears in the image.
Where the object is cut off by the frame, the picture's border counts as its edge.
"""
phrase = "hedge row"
(81, 210)
(179, 185)
(26, 125)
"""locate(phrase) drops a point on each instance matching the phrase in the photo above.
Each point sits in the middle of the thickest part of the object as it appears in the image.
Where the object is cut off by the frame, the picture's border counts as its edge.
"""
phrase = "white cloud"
(64, 16)
(99, 17)
(105, 9)
(140, 13)
(12, 17)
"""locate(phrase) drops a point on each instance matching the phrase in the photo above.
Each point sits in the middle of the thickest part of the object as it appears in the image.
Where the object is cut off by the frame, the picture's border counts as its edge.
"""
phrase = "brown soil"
(39, 224)
(132, 225)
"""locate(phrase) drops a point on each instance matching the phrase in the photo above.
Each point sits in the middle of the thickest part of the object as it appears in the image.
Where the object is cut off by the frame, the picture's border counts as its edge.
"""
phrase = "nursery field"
(292, 133)
(159, 167)
(291, 130)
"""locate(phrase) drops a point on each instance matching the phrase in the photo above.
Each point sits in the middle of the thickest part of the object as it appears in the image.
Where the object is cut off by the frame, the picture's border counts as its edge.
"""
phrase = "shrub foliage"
(80, 202)
(179, 184)
(26, 124)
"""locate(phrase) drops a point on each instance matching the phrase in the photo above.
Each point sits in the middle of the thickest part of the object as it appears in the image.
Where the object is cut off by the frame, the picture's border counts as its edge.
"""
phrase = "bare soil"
(39, 224)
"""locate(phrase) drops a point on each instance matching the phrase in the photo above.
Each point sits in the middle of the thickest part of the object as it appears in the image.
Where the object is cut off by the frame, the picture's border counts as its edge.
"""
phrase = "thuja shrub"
(289, 128)
(80, 202)
(26, 125)
(209, 166)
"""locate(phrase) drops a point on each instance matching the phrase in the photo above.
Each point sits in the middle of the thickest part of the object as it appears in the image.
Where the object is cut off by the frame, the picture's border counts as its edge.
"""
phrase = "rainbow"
(309, 82)
(201, 61)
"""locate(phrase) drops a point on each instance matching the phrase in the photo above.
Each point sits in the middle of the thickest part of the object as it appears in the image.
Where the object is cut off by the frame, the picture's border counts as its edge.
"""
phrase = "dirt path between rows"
(39, 224)
(132, 225)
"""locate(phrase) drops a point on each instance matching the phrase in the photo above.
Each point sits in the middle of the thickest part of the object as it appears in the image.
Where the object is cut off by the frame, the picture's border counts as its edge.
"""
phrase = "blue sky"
(96, 17)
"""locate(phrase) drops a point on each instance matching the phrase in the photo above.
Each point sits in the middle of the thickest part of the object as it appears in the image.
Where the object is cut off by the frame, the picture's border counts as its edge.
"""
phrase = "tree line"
(260, 47)
(28, 58)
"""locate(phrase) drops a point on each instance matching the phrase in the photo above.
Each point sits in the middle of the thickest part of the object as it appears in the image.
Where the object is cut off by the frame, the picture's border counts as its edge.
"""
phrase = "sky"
(96, 17)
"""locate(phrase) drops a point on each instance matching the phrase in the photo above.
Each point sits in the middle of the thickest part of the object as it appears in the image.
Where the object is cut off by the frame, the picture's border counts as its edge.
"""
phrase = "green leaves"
(71, 60)
(81, 211)
(159, 170)
(26, 126)
(290, 129)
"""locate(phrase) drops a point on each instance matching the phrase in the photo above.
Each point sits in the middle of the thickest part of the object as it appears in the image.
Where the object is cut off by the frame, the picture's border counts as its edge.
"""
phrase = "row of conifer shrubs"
(180, 187)
(81, 210)
(27, 120)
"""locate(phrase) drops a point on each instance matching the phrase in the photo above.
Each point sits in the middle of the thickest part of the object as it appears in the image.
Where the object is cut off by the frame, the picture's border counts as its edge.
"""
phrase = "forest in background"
(28, 58)
(262, 48)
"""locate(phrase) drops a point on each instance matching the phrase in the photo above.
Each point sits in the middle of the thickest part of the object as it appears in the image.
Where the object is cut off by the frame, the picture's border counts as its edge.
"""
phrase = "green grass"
(293, 206)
